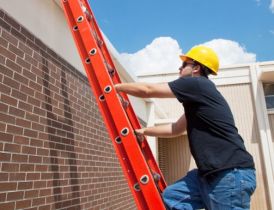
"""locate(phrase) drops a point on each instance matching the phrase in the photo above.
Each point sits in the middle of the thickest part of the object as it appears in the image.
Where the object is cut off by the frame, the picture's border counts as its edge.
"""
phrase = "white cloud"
(272, 6)
(162, 55)
(230, 52)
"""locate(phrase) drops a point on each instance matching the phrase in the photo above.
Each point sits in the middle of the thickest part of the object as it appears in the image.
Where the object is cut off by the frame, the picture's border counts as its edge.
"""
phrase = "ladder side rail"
(130, 112)
(104, 78)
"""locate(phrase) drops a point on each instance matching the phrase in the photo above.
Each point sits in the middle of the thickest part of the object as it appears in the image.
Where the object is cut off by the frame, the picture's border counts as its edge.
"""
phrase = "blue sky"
(241, 31)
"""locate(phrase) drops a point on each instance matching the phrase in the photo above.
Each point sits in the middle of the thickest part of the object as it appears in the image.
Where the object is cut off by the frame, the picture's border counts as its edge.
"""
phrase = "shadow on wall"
(174, 157)
(60, 146)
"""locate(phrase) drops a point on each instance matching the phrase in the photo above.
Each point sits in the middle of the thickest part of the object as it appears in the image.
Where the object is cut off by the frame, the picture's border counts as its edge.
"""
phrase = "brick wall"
(55, 152)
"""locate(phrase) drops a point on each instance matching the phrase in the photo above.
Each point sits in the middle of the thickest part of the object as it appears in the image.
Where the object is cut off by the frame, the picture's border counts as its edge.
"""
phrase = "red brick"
(27, 34)
(35, 159)
(12, 22)
(40, 184)
(12, 148)
(42, 151)
(32, 45)
(4, 177)
(5, 136)
(41, 168)
(33, 101)
(21, 140)
(17, 34)
(4, 25)
(40, 44)
(39, 111)
(38, 72)
(3, 42)
(30, 133)
(25, 106)
(16, 112)
(31, 194)
(7, 36)
(33, 176)
(10, 167)
(5, 157)
(25, 185)
(3, 107)
(29, 75)
(23, 204)
(10, 205)
(3, 197)
(14, 130)
(36, 143)
(39, 202)
(18, 195)
(26, 90)
(11, 83)
(45, 192)
(13, 66)
(7, 186)
(34, 64)
(15, 50)
(28, 150)
(38, 127)
(25, 48)
(5, 89)
(23, 123)
(19, 77)
(26, 167)
(17, 177)
(19, 158)
(8, 100)
(2, 60)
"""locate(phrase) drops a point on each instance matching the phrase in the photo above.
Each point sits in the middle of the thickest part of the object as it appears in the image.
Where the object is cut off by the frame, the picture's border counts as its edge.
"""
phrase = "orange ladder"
(144, 177)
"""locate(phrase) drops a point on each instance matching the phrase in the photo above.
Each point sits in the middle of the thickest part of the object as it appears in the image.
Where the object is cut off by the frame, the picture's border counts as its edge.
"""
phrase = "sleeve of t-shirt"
(185, 89)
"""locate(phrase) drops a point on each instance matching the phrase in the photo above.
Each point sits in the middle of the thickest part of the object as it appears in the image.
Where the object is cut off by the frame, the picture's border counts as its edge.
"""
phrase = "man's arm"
(171, 130)
(145, 90)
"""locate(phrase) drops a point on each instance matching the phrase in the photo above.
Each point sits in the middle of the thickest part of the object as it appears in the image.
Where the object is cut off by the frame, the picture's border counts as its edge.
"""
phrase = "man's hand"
(140, 134)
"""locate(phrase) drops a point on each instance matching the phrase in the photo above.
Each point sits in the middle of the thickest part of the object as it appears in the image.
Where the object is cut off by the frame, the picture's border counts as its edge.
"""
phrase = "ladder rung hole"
(107, 89)
(136, 187)
(144, 179)
(75, 28)
(87, 60)
(101, 97)
(92, 51)
(80, 19)
(125, 131)
(118, 140)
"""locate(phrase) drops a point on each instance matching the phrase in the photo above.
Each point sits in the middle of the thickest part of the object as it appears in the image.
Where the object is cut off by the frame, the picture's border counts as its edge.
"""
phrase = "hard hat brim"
(183, 57)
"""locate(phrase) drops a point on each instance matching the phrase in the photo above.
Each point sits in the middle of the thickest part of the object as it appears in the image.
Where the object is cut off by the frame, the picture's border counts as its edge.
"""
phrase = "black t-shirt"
(213, 138)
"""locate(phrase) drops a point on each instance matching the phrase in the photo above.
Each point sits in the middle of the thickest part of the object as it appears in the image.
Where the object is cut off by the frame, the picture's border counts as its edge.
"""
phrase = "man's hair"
(205, 71)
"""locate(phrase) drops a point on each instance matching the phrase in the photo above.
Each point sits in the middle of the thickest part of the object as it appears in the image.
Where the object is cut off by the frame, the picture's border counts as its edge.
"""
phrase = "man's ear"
(197, 69)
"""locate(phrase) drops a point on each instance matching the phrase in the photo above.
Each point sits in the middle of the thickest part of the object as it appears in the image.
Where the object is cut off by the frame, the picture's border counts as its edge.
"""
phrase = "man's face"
(186, 68)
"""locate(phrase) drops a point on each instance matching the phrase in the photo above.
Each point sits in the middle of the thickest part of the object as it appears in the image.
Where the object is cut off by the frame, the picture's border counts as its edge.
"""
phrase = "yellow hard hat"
(205, 56)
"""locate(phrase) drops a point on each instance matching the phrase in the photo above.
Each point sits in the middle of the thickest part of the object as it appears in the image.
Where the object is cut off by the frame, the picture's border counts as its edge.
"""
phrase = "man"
(225, 178)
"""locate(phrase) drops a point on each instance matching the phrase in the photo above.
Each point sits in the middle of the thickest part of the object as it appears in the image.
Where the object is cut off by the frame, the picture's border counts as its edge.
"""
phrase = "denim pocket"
(248, 186)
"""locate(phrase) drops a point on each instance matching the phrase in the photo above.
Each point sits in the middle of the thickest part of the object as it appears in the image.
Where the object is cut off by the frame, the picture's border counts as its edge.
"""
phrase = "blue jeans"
(225, 190)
